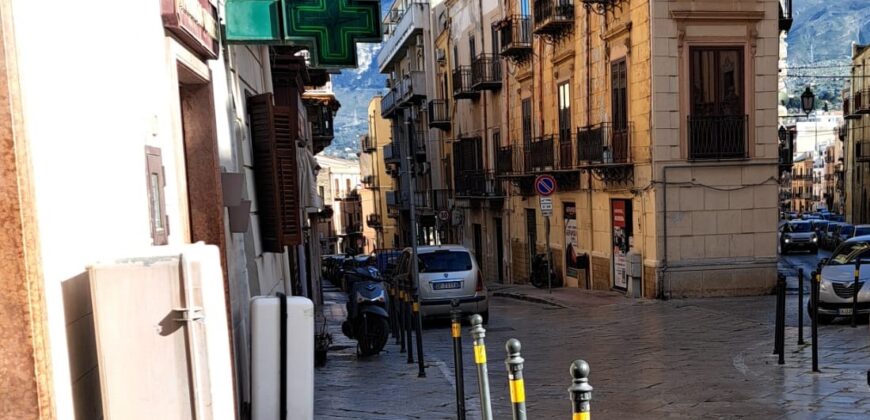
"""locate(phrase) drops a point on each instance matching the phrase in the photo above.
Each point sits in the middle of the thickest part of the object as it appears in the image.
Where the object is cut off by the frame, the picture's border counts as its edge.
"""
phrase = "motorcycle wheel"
(375, 331)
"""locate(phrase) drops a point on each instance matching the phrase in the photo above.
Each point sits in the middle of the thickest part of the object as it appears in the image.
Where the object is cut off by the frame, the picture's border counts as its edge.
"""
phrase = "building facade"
(339, 181)
(657, 120)
(802, 183)
(381, 231)
(857, 139)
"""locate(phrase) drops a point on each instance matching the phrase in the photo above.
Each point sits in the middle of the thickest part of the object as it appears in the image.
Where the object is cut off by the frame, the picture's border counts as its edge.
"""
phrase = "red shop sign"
(194, 22)
(619, 213)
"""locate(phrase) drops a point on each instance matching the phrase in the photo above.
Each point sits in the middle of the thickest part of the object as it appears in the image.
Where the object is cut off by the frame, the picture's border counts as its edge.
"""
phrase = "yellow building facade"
(656, 118)
(380, 229)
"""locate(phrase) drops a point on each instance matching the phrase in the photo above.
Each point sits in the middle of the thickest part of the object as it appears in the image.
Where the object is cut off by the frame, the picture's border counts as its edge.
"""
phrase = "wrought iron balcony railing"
(862, 102)
(478, 183)
(604, 143)
(862, 151)
(439, 114)
(553, 17)
(566, 158)
(515, 34)
(462, 83)
(717, 137)
(504, 161)
(486, 72)
(374, 221)
(367, 143)
(540, 154)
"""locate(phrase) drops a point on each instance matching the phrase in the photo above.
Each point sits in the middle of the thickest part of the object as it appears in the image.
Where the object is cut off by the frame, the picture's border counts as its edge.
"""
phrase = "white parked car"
(447, 272)
(836, 285)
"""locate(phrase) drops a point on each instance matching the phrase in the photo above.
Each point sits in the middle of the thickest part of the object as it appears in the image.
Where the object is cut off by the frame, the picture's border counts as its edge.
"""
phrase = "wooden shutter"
(263, 140)
(288, 175)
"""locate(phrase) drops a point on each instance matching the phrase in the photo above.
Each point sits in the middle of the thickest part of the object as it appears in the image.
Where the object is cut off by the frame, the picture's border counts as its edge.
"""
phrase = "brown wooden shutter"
(266, 170)
(285, 139)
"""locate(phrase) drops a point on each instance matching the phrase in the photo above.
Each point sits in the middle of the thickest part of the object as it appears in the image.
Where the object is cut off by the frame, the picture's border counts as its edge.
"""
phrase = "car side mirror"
(823, 261)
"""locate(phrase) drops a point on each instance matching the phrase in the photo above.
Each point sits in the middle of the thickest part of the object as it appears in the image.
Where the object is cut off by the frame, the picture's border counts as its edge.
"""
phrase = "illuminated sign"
(330, 29)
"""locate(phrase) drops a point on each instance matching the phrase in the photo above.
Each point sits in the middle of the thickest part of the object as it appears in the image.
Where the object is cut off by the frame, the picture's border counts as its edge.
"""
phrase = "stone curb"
(534, 299)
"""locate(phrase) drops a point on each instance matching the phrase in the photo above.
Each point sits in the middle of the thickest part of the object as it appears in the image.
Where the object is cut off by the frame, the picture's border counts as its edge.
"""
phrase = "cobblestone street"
(708, 358)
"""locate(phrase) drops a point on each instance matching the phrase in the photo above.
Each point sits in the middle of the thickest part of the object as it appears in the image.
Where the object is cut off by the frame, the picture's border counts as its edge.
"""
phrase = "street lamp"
(808, 101)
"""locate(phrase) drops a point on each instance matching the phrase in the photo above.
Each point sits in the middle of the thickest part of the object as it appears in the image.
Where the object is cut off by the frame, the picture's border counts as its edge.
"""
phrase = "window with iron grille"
(717, 119)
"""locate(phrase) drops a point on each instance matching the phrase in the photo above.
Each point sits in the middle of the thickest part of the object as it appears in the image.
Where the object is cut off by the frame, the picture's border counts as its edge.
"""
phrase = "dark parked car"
(820, 226)
(831, 232)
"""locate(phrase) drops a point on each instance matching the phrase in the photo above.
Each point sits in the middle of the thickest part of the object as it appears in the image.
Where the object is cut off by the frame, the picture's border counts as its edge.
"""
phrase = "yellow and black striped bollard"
(514, 364)
(580, 390)
(478, 332)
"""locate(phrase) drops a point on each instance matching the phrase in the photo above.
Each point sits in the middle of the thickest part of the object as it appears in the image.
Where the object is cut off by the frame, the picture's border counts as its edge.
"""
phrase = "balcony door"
(717, 118)
(619, 110)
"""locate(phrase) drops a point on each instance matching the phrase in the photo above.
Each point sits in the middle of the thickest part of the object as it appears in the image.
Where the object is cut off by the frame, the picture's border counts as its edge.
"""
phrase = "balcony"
(603, 144)
(391, 154)
(553, 18)
(412, 89)
(439, 114)
(862, 102)
(367, 144)
(478, 184)
(565, 151)
(368, 182)
(462, 84)
(352, 230)
(321, 109)
(717, 137)
(388, 105)
(413, 21)
(486, 72)
(504, 161)
(515, 34)
(539, 154)
(374, 221)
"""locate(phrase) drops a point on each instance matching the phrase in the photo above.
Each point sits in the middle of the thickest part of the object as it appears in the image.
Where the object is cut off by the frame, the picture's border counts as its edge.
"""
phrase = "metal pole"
(456, 333)
(814, 298)
(409, 327)
(514, 364)
(401, 317)
(855, 290)
(580, 390)
(781, 309)
(777, 345)
(478, 332)
(549, 255)
(800, 306)
(415, 276)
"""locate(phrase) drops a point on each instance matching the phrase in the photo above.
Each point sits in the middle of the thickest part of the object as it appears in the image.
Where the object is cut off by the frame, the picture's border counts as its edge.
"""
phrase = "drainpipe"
(589, 173)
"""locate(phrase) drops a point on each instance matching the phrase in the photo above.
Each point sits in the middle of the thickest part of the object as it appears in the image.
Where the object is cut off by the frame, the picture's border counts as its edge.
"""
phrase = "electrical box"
(635, 264)
(266, 358)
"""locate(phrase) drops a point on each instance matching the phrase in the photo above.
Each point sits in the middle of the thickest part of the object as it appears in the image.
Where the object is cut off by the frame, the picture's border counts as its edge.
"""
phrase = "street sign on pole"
(545, 185)
(546, 206)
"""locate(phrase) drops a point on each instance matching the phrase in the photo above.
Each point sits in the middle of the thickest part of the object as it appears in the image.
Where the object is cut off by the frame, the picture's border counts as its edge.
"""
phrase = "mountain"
(820, 47)
(819, 50)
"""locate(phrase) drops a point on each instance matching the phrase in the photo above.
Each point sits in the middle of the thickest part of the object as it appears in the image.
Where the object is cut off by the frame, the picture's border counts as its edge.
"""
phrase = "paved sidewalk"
(695, 358)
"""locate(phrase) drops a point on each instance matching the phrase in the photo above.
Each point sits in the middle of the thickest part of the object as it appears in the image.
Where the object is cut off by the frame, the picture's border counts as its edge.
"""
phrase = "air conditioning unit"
(440, 55)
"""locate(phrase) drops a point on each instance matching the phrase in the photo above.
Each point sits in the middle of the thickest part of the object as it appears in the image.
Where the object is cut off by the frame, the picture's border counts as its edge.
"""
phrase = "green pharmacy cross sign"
(330, 29)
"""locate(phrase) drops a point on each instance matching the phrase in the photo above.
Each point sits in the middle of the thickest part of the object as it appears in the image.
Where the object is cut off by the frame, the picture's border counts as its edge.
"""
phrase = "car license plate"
(845, 311)
(447, 285)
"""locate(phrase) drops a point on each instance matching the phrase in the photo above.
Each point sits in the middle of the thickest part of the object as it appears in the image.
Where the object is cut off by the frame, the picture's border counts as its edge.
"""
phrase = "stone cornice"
(715, 15)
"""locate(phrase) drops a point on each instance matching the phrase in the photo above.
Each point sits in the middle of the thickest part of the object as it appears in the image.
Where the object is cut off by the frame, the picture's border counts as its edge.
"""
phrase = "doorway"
(478, 242)
(532, 238)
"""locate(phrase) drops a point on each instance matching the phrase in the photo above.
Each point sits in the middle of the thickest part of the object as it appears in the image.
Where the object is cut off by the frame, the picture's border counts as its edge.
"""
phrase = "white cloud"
(366, 54)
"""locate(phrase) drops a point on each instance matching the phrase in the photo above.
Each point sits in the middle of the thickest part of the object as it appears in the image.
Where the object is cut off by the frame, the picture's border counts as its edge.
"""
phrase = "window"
(455, 59)
(472, 49)
(619, 110)
(564, 112)
(524, 8)
(494, 39)
(716, 121)
(444, 262)
(527, 121)
(335, 192)
(156, 197)
(347, 187)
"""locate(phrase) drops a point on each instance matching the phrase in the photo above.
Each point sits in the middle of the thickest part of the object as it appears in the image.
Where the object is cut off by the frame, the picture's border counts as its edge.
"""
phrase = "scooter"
(367, 316)
(539, 273)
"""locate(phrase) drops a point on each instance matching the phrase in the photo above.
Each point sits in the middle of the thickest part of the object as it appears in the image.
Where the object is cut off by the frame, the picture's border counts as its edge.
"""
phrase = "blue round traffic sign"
(545, 185)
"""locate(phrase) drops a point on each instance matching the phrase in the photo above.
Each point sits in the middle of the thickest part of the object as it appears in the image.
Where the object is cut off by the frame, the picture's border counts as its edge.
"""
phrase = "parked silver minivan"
(447, 272)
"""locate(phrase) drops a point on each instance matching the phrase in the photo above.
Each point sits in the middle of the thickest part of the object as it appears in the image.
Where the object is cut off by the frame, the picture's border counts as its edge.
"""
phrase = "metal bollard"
(394, 320)
(580, 390)
(855, 290)
(814, 299)
(780, 319)
(409, 325)
(478, 333)
(418, 326)
(514, 364)
(800, 306)
(400, 319)
(456, 333)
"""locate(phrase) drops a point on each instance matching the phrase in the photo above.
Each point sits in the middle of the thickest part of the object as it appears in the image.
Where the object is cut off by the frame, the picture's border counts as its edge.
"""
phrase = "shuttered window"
(275, 172)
